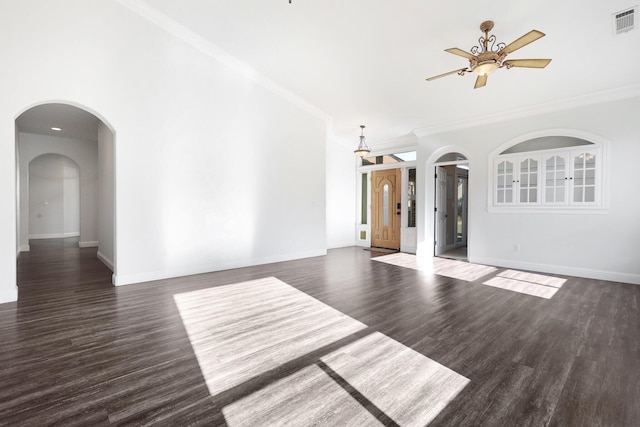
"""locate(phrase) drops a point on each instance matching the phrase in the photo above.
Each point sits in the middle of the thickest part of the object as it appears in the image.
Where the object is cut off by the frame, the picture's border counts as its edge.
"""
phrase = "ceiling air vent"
(624, 21)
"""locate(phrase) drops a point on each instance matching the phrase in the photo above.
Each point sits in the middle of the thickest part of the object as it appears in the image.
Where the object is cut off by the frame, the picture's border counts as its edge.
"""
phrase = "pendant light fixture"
(362, 149)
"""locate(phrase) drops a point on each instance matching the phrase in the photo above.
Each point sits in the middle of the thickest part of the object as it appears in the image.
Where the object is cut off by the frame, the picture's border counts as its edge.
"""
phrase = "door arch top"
(442, 151)
(68, 105)
(452, 156)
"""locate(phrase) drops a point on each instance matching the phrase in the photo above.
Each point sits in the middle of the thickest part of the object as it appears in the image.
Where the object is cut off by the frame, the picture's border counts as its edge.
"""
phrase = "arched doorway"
(49, 133)
(448, 175)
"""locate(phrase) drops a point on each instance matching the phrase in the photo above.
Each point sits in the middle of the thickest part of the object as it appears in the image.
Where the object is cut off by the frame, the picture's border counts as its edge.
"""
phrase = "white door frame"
(426, 248)
(408, 236)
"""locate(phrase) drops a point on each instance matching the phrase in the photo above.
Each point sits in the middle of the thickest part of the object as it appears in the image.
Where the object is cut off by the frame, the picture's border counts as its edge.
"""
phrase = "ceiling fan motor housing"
(486, 62)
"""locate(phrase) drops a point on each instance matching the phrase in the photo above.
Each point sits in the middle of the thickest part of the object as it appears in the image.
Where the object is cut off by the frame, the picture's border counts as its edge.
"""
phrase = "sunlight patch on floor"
(517, 281)
(241, 331)
(537, 285)
(393, 381)
(440, 266)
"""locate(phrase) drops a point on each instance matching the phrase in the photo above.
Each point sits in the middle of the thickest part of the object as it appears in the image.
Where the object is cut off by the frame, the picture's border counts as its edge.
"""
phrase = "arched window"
(548, 173)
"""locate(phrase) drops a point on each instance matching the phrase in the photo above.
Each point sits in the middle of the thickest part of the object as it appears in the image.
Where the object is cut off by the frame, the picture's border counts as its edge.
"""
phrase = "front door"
(385, 209)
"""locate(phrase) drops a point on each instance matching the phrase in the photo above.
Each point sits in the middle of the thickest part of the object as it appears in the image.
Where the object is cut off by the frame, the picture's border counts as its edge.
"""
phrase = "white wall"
(213, 170)
(106, 208)
(593, 245)
(54, 197)
(71, 198)
(341, 190)
(85, 155)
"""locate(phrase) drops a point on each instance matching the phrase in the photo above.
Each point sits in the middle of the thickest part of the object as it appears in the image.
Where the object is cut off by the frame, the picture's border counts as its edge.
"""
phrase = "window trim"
(599, 144)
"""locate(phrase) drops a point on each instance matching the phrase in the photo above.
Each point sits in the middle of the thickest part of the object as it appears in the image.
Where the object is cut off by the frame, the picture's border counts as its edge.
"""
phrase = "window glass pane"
(460, 210)
(411, 221)
(590, 194)
(577, 194)
(385, 205)
(387, 159)
(560, 194)
(533, 196)
(551, 163)
(550, 179)
(451, 157)
(590, 161)
(549, 196)
(363, 202)
(590, 177)
(509, 196)
(523, 196)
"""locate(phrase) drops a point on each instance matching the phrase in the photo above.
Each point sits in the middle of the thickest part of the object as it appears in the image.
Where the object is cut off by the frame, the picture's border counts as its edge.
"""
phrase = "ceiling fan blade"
(459, 52)
(449, 73)
(530, 37)
(481, 81)
(526, 63)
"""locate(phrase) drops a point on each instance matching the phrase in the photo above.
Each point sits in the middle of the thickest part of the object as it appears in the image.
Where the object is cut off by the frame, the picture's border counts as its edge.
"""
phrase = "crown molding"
(153, 15)
(398, 145)
(620, 93)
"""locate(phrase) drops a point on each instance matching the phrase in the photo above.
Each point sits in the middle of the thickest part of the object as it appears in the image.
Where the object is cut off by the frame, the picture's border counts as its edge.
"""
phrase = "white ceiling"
(365, 61)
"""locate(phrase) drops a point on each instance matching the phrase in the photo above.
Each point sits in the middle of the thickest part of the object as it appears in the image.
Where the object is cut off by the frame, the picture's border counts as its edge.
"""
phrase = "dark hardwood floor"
(78, 351)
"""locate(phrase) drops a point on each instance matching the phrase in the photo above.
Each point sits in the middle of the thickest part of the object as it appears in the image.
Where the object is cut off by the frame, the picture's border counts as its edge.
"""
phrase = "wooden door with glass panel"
(385, 209)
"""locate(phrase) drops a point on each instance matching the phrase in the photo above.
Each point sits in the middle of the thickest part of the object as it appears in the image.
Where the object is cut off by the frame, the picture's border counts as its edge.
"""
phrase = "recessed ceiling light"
(58, 129)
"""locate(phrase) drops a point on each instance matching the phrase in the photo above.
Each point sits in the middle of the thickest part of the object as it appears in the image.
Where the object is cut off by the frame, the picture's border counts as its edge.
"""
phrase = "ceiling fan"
(489, 56)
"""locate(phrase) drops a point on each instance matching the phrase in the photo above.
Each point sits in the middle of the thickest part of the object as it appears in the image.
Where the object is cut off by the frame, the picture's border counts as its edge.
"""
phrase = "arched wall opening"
(72, 131)
(554, 157)
(444, 157)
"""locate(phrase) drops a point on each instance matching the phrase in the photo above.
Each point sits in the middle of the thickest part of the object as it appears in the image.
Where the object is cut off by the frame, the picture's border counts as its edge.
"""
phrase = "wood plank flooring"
(77, 351)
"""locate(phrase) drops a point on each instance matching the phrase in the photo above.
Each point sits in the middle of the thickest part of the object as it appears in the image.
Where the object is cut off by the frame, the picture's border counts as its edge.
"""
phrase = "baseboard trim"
(53, 235)
(341, 245)
(90, 244)
(106, 261)
(25, 248)
(130, 279)
(611, 276)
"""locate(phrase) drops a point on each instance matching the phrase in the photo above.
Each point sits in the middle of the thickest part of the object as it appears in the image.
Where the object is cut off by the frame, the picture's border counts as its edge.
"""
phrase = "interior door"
(441, 210)
(461, 211)
(385, 209)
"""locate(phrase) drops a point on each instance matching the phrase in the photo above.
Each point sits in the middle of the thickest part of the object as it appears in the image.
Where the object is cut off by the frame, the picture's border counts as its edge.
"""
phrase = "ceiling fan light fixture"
(363, 149)
(489, 55)
(485, 68)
